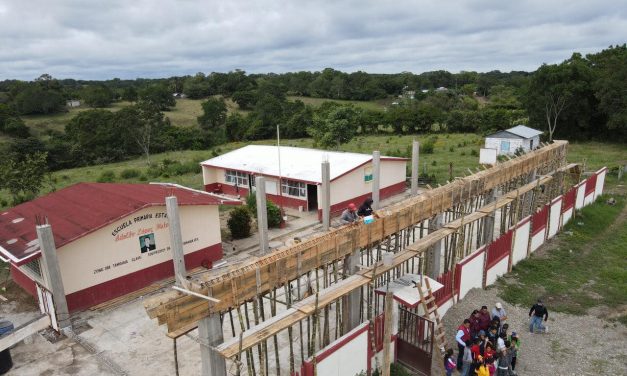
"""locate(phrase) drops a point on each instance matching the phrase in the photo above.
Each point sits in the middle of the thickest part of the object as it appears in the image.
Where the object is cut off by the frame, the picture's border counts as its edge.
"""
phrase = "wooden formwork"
(181, 312)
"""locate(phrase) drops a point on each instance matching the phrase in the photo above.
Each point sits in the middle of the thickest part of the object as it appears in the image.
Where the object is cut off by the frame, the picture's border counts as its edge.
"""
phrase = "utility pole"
(176, 241)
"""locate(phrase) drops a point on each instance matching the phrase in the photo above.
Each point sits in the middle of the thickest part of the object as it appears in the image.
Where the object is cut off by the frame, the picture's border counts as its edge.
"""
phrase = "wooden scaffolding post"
(430, 307)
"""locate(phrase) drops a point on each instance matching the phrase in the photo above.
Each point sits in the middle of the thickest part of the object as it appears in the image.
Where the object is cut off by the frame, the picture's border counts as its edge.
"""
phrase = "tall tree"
(24, 175)
(159, 95)
(334, 124)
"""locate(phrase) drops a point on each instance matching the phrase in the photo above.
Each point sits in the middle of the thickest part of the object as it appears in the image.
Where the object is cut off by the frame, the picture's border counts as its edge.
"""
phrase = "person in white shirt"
(499, 311)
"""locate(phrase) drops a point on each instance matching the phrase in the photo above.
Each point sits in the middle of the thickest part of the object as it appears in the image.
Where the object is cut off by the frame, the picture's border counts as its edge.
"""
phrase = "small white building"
(234, 173)
(510, 140)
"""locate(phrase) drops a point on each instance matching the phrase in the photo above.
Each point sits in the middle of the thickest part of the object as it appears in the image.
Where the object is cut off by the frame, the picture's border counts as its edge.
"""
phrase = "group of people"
(485, 345)
(352, 213)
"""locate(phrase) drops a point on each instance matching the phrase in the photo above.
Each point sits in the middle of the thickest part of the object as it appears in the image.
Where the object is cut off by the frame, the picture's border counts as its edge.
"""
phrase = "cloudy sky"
(92, 39)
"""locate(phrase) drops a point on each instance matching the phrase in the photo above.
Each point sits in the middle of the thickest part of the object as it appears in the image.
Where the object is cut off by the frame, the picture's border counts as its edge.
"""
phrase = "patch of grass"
(586, 268)
(366, 105)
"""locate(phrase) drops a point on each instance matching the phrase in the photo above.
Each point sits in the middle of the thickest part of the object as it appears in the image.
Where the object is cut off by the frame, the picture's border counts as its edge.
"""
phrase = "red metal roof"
(82, 208)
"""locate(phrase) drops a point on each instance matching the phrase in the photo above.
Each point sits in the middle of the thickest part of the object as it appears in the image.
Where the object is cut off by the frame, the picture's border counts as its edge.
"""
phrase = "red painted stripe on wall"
(338, 208)
(23, 281)
(117, 287)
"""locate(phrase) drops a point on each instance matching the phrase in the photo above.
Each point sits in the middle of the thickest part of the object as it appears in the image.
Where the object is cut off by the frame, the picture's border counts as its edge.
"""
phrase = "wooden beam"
(232, 287)
(306, 307)
(24, 331)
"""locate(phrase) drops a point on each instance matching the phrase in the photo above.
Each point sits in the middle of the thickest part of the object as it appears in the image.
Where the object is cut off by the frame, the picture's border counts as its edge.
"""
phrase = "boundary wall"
(479, 269)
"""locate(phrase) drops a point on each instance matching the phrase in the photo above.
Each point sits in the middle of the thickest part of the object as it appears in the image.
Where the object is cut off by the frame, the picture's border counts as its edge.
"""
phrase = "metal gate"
(46, 305)
(415, 341)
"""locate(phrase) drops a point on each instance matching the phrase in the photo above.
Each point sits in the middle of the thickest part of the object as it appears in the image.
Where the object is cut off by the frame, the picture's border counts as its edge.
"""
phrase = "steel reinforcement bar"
(233, 287)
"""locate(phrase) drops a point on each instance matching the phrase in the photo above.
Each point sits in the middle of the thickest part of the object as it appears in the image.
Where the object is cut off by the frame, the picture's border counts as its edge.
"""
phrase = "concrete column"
(351, 301)
(415, 147)
(488, 221)
(210, 335)
(53, 275)
(262, 213)
(176, 241)
(326, 195)
(435, 252)
(376, 178)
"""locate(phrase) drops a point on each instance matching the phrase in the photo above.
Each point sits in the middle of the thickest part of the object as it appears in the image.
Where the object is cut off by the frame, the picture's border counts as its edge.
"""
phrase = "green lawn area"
(39, 123)
(584, 267)
(455, 148)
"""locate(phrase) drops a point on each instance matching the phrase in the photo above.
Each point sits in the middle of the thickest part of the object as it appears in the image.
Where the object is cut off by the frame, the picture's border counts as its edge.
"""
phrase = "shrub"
(274, 213)
(129, 173)
(107, 176)
(434, 163)
(239, 222)
(451, 149)
(427, 147)
(462, 153)
(474, 153)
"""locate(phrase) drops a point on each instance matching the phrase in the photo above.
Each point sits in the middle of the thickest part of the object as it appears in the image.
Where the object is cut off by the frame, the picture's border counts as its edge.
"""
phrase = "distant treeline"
(580, 98)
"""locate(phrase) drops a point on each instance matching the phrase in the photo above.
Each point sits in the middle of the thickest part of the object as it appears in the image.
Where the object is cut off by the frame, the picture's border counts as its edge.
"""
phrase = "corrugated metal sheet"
(80, 209)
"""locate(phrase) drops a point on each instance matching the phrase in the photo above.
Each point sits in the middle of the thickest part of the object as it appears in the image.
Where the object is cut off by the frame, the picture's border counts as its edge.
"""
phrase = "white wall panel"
(350, 358)
(554, 217)
(496, 271)
(566, 216)
(472, 272)
(521, 242)
(598, 191)
(581, 191)
(537, 240)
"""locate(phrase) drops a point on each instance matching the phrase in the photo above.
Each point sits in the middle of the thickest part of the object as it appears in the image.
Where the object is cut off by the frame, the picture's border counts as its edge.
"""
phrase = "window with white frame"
(294, 188)
(236, 177)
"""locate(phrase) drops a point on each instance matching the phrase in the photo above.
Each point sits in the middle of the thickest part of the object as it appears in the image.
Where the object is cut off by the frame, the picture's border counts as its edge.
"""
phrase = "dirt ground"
(574, 345)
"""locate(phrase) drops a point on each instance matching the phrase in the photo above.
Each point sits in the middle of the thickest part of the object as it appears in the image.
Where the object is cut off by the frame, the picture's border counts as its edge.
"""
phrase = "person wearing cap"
(462, 336)
(539, 311)
(499, 312)
(350, 214)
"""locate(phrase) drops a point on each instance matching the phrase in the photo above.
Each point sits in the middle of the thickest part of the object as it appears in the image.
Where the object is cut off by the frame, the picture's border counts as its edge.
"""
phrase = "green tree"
(236, 127)
(214, 114)
(159, 95)
(97, 96)
(609, 87)
(23, 177)
(95, 136)
(129, 94)
(562, 94)
(334, 124)
(144, 124)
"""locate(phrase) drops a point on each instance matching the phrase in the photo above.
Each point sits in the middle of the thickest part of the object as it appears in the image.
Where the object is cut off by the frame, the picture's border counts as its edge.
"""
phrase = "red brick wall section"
(226, 189)
(114, 288)
(288, 201)
(23, 281)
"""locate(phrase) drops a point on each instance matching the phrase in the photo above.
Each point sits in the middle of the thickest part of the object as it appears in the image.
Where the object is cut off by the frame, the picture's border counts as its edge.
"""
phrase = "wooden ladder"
(431, 309)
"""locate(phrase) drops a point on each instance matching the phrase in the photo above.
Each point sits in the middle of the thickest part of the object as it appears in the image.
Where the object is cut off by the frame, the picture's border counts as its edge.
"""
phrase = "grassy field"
(39, 123)
(366, 105)
(584, 268)
(448, 148)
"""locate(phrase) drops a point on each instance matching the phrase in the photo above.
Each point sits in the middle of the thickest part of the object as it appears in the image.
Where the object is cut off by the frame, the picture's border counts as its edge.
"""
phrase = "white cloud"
(128, 39)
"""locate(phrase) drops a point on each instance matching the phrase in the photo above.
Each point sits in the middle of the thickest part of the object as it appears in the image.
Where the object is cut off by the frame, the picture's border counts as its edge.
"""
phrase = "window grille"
(294, 188)
(236, 177)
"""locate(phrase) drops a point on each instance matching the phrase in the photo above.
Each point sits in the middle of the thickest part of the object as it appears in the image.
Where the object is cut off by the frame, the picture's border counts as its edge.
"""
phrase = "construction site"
(345, 299)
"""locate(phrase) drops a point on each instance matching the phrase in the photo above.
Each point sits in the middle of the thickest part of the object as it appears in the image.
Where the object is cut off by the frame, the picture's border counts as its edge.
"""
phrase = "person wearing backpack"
(449, 362)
